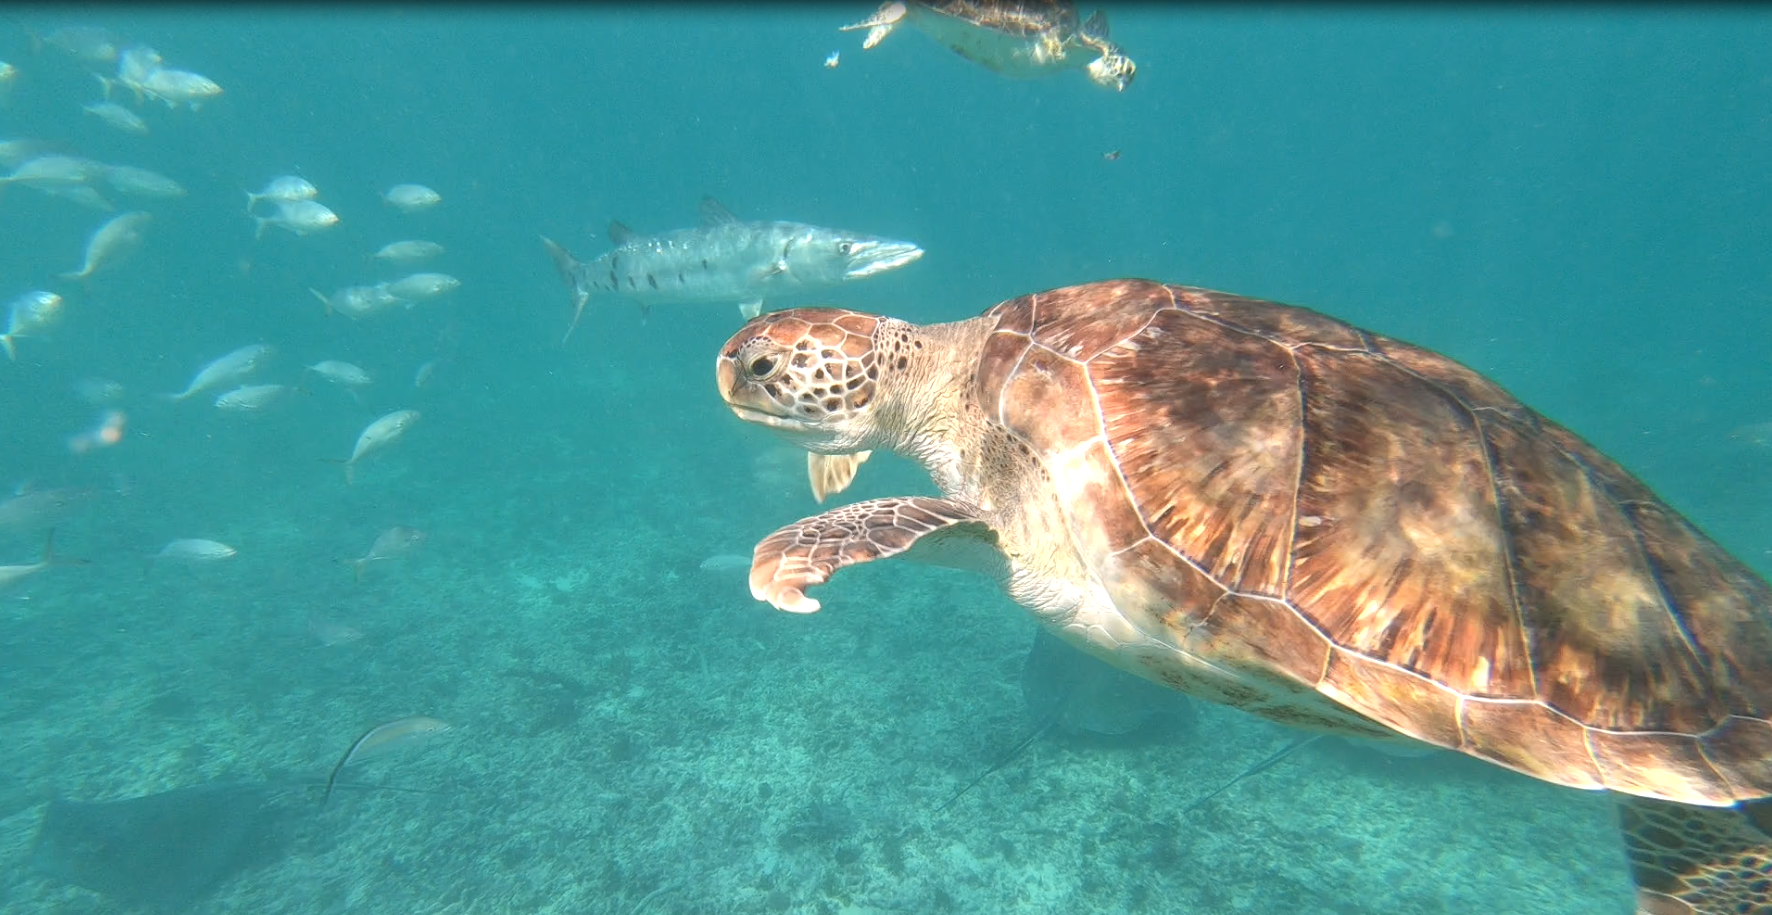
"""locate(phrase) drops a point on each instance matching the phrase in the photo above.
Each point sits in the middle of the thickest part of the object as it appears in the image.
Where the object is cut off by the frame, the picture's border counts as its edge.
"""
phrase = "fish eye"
(762, 366)
(844, 247)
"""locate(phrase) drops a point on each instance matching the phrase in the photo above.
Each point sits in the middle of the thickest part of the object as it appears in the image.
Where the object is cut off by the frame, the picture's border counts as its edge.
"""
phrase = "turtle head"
(811, 375)
(1113, 70)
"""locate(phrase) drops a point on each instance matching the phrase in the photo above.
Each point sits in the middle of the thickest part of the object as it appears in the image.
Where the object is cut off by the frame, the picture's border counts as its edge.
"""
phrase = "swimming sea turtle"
(1262, 506)
(1023, 39)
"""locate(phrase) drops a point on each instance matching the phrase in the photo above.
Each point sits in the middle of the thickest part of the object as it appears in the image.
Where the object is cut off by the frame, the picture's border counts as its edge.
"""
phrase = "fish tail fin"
(323, 300)
(10, 347)
(74, 274)
(259, 231)
(579, 299)
(251, 199)
(563, 259)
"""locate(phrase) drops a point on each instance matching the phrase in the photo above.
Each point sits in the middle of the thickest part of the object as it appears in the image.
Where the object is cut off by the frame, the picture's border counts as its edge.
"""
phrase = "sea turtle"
(1025, 39)
(1262, 506)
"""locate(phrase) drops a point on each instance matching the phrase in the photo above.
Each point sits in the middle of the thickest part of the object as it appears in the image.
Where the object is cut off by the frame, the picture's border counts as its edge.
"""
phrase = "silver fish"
(379, 434)
(406, 252)
(88, 43)
(391, 543)
(382, 739)
(421, 286)
(340, 373)
(283, 189)
(54, 169)
(226, 369)
(15, 152)
(179, 87)
(410, 198)
(250, 398)
(195, 550)
(356, 302)
(110, 242)
(80, 194)
(118, 117)
(29, 314)
(300, 217)
(11, 575)
(726, 260)
(36, 510)
(140, 182)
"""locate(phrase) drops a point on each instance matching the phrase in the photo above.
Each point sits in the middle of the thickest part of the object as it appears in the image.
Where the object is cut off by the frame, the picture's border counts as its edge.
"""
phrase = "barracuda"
(725, 260)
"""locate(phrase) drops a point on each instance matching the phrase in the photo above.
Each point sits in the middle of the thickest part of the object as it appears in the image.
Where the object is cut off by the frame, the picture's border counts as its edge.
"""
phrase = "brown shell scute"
(1206, 429)
(1321, 508)
(1407, 564)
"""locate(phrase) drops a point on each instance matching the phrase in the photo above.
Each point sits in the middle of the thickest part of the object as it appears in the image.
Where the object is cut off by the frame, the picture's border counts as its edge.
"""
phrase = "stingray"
(1082, 694)
(166, 850)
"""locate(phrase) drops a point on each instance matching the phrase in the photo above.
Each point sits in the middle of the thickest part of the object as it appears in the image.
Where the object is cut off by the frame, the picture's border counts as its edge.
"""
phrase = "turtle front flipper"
(809, 551)
(832, 473)
(1698, 860)
(879, 25)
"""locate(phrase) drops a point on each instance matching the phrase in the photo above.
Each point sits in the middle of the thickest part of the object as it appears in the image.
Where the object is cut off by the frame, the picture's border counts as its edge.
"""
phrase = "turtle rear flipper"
(808, 552)
(879, 25)
(1698, 860)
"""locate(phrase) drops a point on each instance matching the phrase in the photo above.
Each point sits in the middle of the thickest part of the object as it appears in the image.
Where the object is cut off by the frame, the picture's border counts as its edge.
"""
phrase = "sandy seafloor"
(629, 726)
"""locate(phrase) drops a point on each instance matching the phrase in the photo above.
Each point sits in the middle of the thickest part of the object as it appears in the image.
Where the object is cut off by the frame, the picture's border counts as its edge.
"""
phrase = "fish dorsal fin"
(619, 233)
(714, 213)
(1095, 26)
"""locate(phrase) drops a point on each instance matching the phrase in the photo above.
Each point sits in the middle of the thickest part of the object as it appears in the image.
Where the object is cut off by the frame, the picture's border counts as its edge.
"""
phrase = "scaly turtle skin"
(1025, 40)
(1262, 506)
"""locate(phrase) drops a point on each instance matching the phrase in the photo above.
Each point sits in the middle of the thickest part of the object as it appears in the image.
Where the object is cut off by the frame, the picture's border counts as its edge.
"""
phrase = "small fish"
(110, 242)
(425, 373)
(407, 252)
(29, 314)
(410, 198)
(385, 738)
(340, 373)
(357, 302)
(8, 76)
(331, 633)
(98, 391)
(299, 217)
(1758, 435)
(12, 575)
(118, 117)
(283, 189)
(41, 508)
(831, 62)
(139, 182)
(88, 43)
(420, 286)
(135, 65)
(179, 87)
(1111, 155)
(14, 152)
(250, 398)
(80, 194)
(725, 562)
(226, 370)
(195, 550)
(391, 543)
(379, 434)
(53, 170)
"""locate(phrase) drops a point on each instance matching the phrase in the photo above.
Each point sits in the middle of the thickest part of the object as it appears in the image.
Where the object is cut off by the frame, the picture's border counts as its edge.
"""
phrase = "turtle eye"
(844, 248)
(762, 366)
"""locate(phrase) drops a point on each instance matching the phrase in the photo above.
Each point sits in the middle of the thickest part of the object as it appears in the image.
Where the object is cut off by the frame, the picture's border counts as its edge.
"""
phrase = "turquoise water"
(1574, 202)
